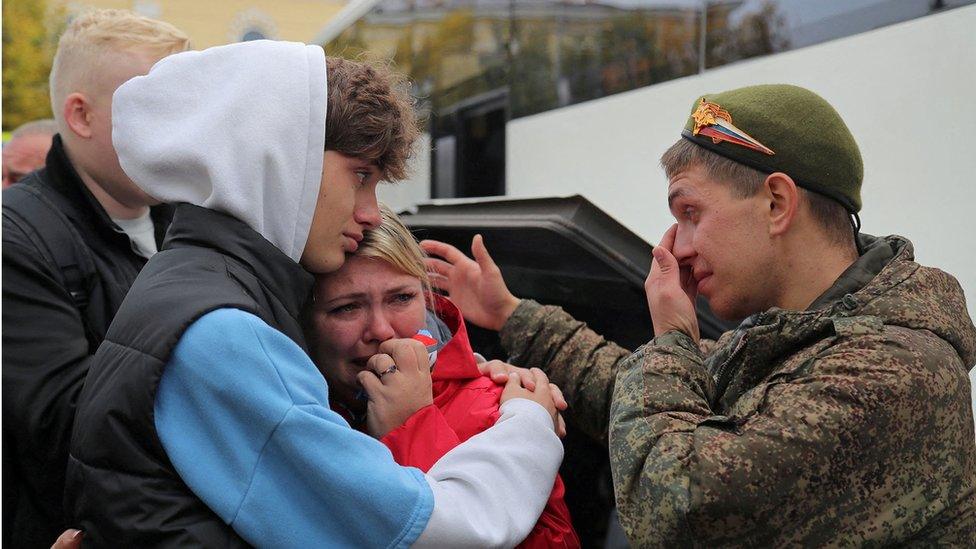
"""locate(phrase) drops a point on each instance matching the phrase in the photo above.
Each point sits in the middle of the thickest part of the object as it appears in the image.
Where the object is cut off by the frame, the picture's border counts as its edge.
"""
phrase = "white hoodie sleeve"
(491, 490)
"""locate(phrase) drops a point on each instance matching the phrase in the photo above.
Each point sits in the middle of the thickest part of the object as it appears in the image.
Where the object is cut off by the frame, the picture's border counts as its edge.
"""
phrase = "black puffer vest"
(62, 256)
(122, 489)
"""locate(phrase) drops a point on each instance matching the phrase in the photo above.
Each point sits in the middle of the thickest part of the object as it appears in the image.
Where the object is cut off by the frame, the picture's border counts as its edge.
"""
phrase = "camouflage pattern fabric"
(847, 424)
(581, 362)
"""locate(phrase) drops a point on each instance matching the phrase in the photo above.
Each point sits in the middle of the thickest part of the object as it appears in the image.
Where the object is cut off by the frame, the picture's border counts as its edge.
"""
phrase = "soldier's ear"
(784, 201)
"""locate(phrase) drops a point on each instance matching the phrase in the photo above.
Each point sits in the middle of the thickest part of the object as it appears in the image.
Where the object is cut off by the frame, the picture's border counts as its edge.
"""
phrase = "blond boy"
(75, 235)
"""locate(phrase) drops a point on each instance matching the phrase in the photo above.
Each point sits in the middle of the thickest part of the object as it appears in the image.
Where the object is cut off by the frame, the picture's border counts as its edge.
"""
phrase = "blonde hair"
(93, 41)
(393, 242)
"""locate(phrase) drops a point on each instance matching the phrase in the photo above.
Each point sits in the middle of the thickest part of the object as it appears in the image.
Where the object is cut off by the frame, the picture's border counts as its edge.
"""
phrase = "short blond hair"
(393, 242)
(92, 41)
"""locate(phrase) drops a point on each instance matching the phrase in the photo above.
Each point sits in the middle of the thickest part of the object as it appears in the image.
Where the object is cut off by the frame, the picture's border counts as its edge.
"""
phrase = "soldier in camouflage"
(837, 413)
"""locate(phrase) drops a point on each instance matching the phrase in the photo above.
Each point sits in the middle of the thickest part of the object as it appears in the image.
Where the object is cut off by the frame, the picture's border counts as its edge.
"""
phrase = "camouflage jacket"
(849, 423)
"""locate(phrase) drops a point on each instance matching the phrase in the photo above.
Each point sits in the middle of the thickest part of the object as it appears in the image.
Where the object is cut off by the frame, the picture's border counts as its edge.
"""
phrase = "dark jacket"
(48, 344)
(121, 488)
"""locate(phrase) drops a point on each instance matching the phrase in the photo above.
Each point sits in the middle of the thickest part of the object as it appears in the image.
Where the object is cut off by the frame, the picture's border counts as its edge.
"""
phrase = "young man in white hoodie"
(203, 421)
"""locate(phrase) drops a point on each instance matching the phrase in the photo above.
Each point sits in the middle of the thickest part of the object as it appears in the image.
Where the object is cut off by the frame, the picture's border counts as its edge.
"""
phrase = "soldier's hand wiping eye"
(671, 290)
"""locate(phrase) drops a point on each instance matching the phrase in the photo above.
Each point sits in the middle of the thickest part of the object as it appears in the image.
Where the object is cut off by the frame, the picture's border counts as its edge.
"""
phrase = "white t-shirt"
(141, 233)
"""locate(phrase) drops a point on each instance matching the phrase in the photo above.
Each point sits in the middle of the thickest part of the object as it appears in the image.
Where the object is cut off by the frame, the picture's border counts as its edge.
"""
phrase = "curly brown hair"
(371, 115)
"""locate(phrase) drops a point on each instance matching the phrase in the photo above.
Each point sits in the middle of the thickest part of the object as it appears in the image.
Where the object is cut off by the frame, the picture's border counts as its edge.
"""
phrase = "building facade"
(531, 98)
(215, 22)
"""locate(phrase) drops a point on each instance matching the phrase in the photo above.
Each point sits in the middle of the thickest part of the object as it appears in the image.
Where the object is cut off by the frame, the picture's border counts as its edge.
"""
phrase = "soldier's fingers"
(661, 258)
(665, 266)
(513, 388)
(557, 397)
(69, 539)
(439, 281)
(541, 381)
(481, 255)
(513, 381)
(526, 375)
(496, 370)
(492, 369)
(443, 249)
(528, 380)
(499, 372)
(667, 240)
(560, 426)
(438, 266)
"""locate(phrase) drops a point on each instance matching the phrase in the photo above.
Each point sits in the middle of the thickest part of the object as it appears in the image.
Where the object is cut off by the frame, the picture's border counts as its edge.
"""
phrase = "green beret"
(782, 128)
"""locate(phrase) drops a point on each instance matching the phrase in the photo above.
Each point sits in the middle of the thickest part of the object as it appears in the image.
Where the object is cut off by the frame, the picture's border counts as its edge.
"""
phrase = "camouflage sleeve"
(684, 475)
(581, 362)
(652, 487)
(706, 346)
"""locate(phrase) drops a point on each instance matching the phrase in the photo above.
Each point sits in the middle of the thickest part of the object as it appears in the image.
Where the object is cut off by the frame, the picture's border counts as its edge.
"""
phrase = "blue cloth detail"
(436, 329)
(243, 414)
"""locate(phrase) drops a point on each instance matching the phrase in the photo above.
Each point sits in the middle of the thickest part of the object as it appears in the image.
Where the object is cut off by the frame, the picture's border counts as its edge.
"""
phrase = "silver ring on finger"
(390, 370)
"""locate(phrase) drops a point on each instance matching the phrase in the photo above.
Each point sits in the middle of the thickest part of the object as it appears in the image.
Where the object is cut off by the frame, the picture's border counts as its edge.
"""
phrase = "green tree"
(761, 32)
(28, 49)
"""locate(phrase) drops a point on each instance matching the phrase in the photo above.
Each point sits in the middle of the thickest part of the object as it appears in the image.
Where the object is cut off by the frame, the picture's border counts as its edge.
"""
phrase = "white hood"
(239, 129)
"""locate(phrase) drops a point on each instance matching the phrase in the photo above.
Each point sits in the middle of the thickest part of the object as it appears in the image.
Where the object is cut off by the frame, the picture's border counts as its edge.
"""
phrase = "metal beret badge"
(713, 121)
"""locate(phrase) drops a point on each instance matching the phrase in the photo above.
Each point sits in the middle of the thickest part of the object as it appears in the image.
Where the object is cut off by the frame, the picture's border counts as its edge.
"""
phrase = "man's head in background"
(27, 149)
(99, 51)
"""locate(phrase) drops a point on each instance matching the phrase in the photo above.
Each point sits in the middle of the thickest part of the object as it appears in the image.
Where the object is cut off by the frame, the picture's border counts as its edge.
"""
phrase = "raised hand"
(671, 291)
(475, 286)
(397, 381)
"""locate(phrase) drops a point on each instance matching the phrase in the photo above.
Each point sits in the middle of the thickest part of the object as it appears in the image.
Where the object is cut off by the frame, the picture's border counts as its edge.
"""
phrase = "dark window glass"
(543, 54)
(481, 154)
(547, 54)
(740, 29)
(565, 53)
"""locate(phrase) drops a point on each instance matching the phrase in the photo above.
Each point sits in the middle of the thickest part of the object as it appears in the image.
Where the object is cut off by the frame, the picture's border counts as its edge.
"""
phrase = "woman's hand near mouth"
(397, 381)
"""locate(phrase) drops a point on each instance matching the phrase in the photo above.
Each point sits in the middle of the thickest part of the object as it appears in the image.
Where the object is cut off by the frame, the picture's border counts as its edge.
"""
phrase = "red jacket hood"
(456, 359)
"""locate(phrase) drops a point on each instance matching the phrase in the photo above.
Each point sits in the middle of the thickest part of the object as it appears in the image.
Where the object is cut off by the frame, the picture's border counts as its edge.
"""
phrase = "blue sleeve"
(243, 414)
